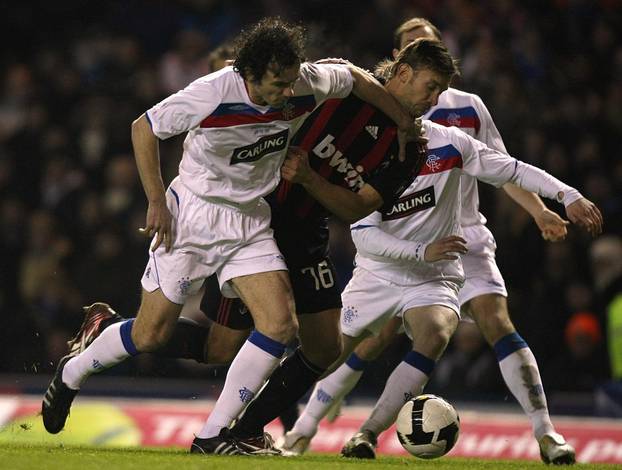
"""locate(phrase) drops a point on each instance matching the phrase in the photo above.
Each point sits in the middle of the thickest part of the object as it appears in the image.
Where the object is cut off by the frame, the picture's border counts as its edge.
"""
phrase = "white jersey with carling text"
(234, 148)
(429, 209)
(469, 113)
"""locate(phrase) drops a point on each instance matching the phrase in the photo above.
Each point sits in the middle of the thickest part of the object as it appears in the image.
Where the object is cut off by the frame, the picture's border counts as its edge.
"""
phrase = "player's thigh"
(430, 327)
(490, 312)
(223, 343)
(371, 347)
(320, 336)
(155, 321)
(268, 296)
(368, 303)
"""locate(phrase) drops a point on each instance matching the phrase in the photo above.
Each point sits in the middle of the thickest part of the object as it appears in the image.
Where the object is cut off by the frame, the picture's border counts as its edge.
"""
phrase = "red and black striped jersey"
(350, 143)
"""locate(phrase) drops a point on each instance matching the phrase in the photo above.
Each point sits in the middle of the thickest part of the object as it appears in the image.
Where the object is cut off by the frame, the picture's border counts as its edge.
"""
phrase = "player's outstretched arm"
(146, 152)
(345, 204)
(551, 225)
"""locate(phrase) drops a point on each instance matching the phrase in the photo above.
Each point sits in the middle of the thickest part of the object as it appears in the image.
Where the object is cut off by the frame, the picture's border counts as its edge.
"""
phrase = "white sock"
(254, 363)
(326, 392)
(521, 375)
(107, 350)
(405, 382)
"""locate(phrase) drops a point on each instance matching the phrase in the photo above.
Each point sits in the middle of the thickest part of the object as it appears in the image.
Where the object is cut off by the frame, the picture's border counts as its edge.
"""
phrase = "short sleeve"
(488, 132)
(185, 109)
(327, 80)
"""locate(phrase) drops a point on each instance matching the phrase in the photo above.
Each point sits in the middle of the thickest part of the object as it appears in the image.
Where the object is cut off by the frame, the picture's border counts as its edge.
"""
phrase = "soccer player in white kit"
(213, 218)
(483, 296)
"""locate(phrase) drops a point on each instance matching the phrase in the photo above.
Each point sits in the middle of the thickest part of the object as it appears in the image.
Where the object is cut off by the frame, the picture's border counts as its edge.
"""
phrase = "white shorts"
(482, 276)
(369, 301)
(210, 238)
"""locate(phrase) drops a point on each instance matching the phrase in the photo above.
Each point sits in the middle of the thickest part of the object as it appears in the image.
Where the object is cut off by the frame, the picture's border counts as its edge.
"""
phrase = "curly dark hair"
(270, 43)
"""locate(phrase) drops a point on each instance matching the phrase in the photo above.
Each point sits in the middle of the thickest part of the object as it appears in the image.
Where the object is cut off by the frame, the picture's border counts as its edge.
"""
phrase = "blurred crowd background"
(75, 74)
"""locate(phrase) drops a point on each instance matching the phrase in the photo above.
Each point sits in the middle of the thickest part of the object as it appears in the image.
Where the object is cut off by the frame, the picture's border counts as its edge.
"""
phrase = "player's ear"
(404, 72)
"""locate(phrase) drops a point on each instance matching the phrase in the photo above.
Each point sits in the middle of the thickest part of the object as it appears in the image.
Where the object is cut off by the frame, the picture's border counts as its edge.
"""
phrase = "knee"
(284, 331)
(440, 332)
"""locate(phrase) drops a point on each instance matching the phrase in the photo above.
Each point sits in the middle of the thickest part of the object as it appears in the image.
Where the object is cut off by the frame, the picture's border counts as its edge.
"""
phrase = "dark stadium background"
(75, 74)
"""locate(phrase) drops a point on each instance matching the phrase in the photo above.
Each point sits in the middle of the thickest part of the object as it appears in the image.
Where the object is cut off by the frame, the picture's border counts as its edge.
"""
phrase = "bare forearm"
(147, 156)
(370, 90)
(345, 204)
(531, 202)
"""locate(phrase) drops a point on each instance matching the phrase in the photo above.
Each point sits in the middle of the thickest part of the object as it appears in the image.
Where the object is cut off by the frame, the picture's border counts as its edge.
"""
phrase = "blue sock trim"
(267, 344)
(356, 363)
(509, 344)
(419, 361)
(126, 337)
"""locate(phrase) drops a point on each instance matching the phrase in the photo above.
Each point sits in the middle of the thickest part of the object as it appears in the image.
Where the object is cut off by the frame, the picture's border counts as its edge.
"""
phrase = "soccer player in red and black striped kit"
(346, 164)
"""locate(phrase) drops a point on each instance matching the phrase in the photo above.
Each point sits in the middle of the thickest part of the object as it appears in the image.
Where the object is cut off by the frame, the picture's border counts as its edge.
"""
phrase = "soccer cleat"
(361, 446)
(292, 444)
(260, 445)
(57, 401)
(223, 444)
(554, 449)
(96, 318)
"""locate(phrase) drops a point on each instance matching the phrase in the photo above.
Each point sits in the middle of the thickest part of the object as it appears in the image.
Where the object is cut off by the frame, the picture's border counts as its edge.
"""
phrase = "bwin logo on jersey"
(410, 204)
(352, 175)
(264, 146)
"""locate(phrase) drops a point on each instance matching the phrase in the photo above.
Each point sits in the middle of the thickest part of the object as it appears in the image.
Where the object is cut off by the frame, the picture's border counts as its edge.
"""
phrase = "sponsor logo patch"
(266, 145)
(410, 204)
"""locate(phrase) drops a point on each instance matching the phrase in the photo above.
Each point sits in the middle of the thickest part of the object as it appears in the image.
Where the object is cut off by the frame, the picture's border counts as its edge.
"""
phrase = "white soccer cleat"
(554, 449)
(293, 444)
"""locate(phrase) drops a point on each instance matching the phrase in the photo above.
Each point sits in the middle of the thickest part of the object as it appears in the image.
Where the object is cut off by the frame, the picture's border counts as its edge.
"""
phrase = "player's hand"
(442, 249)
(159, 221)
(413, 132)
(296, 168)
(584, 213)
(552, 226)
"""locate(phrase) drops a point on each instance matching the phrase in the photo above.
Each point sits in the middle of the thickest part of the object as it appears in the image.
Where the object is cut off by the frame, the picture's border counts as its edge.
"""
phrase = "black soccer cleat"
(223, 444)
(57, 401)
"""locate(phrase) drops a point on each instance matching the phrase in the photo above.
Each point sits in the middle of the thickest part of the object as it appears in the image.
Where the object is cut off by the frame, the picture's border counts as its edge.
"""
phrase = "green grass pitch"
(15, 457)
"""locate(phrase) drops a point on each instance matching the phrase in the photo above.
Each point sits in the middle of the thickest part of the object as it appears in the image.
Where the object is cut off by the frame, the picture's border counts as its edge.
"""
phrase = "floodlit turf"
(85, 458)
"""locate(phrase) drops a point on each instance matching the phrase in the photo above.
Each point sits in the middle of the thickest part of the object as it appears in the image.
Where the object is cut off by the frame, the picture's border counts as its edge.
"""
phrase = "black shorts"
(315, 289)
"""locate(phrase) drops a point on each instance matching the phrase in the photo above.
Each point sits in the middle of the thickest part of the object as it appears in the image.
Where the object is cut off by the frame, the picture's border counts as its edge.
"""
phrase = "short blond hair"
(411, 24)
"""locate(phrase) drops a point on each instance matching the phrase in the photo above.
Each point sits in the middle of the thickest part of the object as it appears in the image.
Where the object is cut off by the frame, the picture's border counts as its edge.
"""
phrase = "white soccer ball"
(427, 426)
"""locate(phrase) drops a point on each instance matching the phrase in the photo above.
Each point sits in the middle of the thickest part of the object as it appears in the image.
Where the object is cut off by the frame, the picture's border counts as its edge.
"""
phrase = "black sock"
(289, 417)
(187, 342)
(287, 384)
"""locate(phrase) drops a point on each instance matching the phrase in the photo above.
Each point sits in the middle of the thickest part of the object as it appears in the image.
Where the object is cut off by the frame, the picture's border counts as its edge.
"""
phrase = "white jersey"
(429, 209)
(235, 148)
(467, 112)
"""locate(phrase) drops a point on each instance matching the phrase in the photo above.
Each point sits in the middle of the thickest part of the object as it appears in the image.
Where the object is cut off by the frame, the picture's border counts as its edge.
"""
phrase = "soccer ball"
(427, 426)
